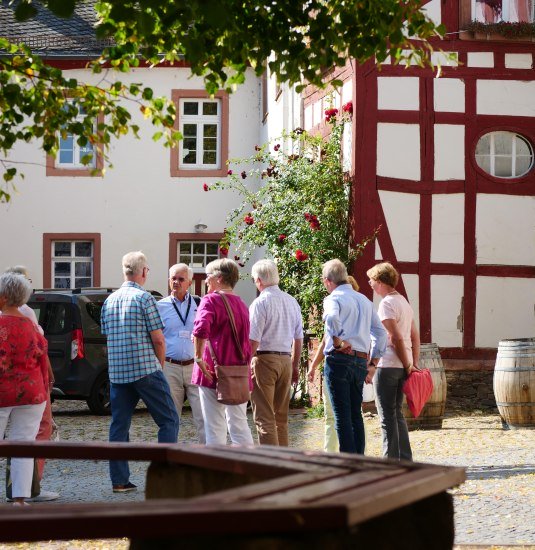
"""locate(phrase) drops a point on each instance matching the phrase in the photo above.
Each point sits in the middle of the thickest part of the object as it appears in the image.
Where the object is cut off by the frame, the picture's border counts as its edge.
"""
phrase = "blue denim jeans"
(153, 390)
(344, 377)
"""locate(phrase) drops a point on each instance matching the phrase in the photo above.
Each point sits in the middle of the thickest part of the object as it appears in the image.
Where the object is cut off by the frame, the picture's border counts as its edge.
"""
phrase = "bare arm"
(415, 339)
(396, 338)
(296, 358)
(318, 358)
(158, 342)
(254, 346)
(199, 344)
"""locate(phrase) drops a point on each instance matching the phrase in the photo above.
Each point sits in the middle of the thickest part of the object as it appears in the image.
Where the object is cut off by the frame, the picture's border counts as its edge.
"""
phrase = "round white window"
(504, 154)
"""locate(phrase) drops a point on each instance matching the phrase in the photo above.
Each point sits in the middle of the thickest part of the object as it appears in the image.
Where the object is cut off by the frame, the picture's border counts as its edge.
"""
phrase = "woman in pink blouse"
(212, 323)
(23, 377)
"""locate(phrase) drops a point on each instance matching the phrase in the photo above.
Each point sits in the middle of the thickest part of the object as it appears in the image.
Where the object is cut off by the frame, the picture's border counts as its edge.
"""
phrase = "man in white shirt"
(276, 341)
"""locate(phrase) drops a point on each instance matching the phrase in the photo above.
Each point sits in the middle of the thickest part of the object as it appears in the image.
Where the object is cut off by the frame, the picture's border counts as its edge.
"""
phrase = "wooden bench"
(244, 498)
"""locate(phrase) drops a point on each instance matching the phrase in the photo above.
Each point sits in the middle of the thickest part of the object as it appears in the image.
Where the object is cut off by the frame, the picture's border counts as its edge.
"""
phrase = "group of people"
(163, 352)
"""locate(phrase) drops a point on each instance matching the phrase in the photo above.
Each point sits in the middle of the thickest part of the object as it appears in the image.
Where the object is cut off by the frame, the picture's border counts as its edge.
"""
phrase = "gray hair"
(267, 271)
(226, 269)
(15, 288)
(335, 271)
(134, 262)
(181, 267)
(20, 269)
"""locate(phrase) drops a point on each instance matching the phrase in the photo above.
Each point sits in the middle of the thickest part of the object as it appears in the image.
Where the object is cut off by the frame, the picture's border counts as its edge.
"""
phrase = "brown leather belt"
(354, 353)
(181, 363)
(273, 353)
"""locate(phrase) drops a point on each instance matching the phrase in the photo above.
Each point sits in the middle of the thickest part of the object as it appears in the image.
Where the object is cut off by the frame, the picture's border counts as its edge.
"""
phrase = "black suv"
(76, 347)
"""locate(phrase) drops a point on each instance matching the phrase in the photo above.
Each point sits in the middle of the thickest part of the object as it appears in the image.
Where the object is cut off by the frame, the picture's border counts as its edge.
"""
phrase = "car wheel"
(99, 398)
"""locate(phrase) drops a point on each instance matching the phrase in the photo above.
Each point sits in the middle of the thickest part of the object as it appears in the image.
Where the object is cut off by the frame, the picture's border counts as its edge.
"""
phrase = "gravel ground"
(494, 508)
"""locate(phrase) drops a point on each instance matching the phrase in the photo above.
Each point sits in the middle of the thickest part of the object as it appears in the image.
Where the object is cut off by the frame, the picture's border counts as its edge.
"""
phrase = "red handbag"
(418, 389)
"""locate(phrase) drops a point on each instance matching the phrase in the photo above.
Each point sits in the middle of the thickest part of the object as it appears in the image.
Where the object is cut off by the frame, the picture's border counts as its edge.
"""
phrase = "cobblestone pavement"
(495, 507)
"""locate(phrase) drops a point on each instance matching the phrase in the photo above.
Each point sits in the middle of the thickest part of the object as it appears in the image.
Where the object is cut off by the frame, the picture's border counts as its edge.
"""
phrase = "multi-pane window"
(200, 124)
(494, 11)
(504, 154)
(70, 153)
(72, 264)
(197, 254)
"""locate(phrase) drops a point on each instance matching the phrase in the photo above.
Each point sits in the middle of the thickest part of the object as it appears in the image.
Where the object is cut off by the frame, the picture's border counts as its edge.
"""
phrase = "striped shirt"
(275, 320)
(128, 317)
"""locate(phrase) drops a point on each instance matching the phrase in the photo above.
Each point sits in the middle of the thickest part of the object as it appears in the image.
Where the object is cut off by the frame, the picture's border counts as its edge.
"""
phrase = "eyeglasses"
(147, 268)
(179, 279)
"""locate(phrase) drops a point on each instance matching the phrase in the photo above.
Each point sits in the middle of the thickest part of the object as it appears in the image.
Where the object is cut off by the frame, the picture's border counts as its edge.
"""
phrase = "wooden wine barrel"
(514, 382)
(432, 414)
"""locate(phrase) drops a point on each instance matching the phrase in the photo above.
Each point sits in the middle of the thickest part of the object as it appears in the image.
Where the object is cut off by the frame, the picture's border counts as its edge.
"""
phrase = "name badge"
(184, 334)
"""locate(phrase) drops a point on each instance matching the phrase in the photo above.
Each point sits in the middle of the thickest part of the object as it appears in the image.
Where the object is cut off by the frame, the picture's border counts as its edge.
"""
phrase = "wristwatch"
(197, 359)
(340, 346)
(372, 364)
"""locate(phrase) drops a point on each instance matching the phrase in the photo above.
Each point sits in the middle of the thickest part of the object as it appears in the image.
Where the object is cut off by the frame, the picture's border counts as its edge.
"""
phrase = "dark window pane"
(185, 248)
(190, 158)
(210, 130)
(209, 108)
(82, 269)
(62, 282)
(190, 130)
(211, 258)
(211, 248)
(209, 157)
(94, 310)
(198, 261)
(503, 167)
(185, 259)
(83, 249)
(57, 318)
(191, 108)
(210, 144)
(198, 248)
(190, 144)
(62, 249)
(62, 268)
(80, 282)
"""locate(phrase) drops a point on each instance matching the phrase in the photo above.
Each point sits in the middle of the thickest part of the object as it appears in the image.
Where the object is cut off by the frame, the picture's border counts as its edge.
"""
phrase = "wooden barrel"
(432, 414)
(514, 382)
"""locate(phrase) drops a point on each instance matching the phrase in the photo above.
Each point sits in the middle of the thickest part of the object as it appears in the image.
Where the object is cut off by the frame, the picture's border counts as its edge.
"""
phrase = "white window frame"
(72, 259)
(76, 164)
(200, 120)
(506, 9)
(205, 255)
(492, 155)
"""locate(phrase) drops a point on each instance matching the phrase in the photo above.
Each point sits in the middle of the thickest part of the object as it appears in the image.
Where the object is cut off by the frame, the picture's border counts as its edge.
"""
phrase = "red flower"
(330, 113)
(249, 220)
(205, 187)
(229, 173)
(223, 251)
(277, 147)
(348, 107)
(243, 175)
(281, 238)
(300, 256)
(236, 258)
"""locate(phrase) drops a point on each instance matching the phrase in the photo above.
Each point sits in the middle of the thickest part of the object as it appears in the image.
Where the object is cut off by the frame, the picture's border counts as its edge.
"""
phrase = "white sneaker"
(43, 496)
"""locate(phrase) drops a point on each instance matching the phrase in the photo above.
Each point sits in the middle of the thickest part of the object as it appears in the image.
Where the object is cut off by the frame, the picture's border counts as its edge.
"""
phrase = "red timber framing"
(367, 212)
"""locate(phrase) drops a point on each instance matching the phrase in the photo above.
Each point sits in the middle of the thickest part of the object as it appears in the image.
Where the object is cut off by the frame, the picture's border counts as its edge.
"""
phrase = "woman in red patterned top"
(23, 377)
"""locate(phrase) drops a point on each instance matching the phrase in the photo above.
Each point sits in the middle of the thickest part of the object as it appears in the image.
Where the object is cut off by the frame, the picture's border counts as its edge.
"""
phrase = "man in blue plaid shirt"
(136, 354)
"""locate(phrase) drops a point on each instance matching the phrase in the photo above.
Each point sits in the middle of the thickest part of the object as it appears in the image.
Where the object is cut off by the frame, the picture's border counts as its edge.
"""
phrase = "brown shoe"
(129, 487)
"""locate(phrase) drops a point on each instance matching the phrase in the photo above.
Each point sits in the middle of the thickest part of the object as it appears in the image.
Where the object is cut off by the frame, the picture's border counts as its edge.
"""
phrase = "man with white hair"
(178, 312)
(136, 355)
(351, 325)
(277, 341)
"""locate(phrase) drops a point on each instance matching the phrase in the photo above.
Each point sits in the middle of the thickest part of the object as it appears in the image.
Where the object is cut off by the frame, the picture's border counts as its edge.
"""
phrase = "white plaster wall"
(398, 150)
(518, 60)
(446, 296)
(449, 152)
(506, 97)
(505, 309)
(347, 91)
(378, 253)
(444, 59)
(480, 59)
(402, 213)
(449, 95)
(317, 110)
(308, 117)
(137, 204)
(399, 93)
(447, 229)
(505, 230)
(433, 11)
(411, 283)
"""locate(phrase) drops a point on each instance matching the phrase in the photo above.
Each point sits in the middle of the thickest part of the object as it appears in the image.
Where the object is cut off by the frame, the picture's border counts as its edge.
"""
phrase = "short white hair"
(134, 262)
(15, 288)
(267, 271)
(20, 269)
(181, 267)
(335, 271)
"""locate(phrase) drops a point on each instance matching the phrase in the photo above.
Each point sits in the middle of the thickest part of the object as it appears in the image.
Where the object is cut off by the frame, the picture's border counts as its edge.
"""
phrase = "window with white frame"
(504, 154)
(72, 264)
(495, 11)
(200, 124)
(71, 154)
(198, 254)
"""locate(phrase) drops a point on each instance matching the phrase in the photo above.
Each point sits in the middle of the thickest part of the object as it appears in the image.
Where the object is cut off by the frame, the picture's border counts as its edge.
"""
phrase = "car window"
(94, 309)
(56, 317)
(91, 318)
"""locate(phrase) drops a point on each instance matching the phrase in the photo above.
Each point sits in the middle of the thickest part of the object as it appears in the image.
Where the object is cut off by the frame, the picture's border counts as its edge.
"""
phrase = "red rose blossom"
(348, 107)
(236, 258)
(249, 220)
(223, 251)
(281, 238)
(330, 113)
(229, 173)
(300, 256)
(277, 147)
(205, 187)
(243, 175)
